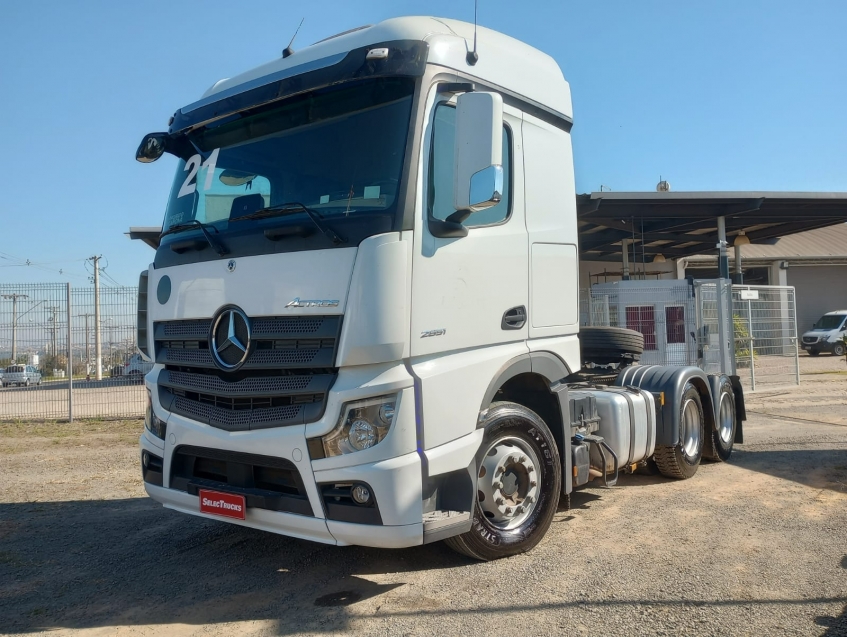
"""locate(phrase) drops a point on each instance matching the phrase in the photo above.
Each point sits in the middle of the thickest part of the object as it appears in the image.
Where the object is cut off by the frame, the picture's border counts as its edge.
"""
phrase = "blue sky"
(721, 95)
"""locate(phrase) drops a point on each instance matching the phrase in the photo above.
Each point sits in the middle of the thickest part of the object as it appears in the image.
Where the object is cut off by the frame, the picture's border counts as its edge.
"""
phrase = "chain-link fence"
(51, 339)
(694, 323)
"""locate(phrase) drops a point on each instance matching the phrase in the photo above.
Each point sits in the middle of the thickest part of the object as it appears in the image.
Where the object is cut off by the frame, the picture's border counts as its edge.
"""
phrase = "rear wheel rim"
(509, 483)
(690, 429)
(727, 419)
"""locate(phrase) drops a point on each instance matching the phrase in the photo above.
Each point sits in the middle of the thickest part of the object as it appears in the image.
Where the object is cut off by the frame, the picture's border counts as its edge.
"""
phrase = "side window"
(441, 173)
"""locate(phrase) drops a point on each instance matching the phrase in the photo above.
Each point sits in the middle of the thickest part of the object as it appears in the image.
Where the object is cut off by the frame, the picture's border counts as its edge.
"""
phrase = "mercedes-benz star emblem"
(229, 340)
(231, 265)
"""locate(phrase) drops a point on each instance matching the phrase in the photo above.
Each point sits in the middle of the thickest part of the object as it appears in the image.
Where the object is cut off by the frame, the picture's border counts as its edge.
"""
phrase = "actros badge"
(311, 303)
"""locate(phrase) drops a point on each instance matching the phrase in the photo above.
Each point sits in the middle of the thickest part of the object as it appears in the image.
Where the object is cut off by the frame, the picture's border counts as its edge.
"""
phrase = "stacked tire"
(610, 345)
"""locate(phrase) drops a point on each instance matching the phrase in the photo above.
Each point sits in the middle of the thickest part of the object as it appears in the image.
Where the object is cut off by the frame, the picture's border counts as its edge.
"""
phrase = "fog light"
(145, 459)
(361, 494)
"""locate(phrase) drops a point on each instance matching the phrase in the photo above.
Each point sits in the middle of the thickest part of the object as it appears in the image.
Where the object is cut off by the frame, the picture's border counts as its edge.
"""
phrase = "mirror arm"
(446, 229)
(456, 87)
(459, 216)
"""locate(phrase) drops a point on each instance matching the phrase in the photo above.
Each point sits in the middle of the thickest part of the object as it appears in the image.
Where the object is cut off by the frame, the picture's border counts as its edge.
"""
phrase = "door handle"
(514, 318)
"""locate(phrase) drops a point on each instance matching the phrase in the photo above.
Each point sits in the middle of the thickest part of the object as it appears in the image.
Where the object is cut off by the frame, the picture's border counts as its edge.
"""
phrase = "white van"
(827, 335)
(136, 366)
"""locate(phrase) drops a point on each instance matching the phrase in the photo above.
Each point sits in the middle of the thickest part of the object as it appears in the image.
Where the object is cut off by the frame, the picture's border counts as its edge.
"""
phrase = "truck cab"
(363, 309)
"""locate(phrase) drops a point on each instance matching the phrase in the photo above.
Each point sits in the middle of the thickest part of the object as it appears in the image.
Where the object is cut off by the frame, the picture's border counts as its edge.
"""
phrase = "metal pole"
(14, 328)
(796, 340)
(720, 287)
(625, 253)
(87, 347)
(750, 330)
(70, 359)
(14, 298)
(723, 260)
(98, 364)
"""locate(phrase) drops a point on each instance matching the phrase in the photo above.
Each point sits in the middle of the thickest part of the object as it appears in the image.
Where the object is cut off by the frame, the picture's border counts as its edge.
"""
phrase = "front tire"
(814, 352)
(718, 444)
(681, 460)
(519, 480)
(838, 349)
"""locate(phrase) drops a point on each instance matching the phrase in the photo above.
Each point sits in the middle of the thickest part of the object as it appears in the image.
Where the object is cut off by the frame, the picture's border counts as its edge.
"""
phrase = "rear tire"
(718, 444)
(519, 454)
(606, 345)
(680, 461)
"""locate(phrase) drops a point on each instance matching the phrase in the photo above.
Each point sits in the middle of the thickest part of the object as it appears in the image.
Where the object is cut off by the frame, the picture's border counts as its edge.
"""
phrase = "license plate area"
(227, 505)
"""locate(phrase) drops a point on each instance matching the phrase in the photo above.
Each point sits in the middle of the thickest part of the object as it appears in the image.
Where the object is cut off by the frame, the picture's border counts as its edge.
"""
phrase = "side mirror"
(478, 154)
(151, 147)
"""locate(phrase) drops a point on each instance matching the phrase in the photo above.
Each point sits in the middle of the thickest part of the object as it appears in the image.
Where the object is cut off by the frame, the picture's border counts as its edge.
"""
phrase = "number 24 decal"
(192, 166)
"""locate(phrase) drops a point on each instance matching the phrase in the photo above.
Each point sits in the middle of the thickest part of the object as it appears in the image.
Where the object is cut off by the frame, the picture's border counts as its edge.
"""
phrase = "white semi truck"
(363, 310)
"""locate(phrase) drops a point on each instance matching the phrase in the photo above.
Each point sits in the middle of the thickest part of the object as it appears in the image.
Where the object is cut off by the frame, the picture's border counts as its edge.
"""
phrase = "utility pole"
(14, 298)
(53, 352)
(98, 366)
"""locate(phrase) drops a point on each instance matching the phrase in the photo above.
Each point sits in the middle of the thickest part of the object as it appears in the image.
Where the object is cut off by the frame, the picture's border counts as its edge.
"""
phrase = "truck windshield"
(338, 151)
(829, 322)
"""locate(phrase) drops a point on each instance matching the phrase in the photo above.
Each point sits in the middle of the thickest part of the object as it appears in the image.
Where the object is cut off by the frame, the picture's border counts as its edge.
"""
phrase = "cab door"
(469, 291)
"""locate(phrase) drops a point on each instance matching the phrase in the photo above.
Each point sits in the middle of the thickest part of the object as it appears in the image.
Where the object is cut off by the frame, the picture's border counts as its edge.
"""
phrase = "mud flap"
(740, 410)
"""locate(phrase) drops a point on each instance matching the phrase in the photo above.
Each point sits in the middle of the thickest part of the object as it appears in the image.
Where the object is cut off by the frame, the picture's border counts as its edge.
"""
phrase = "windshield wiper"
(194, 224)
(291, 208)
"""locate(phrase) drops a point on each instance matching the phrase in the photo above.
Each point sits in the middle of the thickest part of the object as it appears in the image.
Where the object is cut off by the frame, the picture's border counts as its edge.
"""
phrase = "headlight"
(152, 422)
(363, 424)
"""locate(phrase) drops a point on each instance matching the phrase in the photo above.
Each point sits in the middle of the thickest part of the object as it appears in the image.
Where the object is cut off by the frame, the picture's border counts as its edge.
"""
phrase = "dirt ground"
(757, 546)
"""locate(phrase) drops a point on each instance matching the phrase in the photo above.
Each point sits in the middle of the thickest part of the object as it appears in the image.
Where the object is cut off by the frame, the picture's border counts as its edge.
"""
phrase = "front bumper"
(392, 469)
(820, 346)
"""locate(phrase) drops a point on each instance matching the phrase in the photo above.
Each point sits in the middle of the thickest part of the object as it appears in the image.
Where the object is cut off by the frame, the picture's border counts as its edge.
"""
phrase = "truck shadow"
(87, 564)
(95, 564)
(814, 468)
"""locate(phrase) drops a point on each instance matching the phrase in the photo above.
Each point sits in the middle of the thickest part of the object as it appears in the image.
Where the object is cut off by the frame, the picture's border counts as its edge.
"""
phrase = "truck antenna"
(472, 57)
(288, 50)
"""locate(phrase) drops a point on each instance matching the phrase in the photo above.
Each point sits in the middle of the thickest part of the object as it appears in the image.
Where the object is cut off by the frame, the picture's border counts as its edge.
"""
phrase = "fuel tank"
(627, 423)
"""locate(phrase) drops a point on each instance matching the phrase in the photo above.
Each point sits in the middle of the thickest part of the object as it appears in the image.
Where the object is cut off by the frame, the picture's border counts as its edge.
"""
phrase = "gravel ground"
(754, 547)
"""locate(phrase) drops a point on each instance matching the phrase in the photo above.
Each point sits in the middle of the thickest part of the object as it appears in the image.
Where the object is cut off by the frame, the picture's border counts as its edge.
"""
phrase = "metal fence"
(51, 333)
(665, 312)
(695, 323)
(766, 347)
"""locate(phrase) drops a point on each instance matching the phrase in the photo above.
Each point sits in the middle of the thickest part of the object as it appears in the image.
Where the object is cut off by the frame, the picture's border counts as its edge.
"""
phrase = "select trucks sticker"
(228, 505)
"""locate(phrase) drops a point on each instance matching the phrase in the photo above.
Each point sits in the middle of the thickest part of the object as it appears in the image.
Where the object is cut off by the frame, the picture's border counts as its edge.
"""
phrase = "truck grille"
(266, 482)
(283, 381)
(810, 340)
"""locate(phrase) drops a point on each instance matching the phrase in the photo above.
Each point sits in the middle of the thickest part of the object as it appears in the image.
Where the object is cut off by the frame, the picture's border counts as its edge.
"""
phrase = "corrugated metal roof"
(684, 224)
(821, 243)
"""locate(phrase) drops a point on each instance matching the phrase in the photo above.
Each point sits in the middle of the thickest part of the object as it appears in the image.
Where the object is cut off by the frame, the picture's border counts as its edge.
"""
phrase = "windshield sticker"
(371, 192)
(192, 166)
(324, 198)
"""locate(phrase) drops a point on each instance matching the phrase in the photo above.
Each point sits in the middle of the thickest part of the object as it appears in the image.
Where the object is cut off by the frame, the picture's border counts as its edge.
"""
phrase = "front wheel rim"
(509, 483)
(690, 428)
